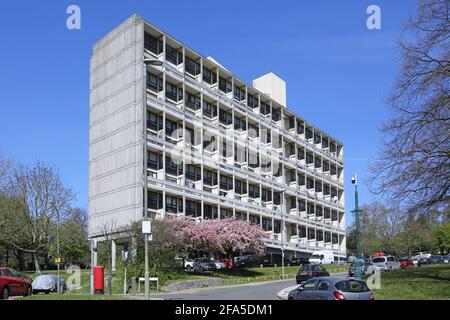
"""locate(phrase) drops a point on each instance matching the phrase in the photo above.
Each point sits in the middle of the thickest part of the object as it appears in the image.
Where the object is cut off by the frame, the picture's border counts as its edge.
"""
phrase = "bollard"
(133, 286)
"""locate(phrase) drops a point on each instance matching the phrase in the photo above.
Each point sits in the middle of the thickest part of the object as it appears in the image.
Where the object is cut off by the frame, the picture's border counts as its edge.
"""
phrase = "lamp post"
(58, 258)
(146, 62)
(358, 260)
(282, 232)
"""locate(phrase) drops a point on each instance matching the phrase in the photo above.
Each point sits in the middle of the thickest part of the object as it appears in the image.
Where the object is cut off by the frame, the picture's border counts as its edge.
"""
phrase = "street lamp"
(358, 260)
(147, 62)
(57, 258)
(282, 232)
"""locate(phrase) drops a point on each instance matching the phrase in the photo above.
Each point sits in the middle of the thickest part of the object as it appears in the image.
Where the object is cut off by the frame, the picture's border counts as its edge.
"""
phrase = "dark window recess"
(173, 168)
(210, 177)
(154, 121)
(240, 187)
(210, 144)
(252, 101)
(240, 124)
(173, 56)
(300, 154)
(192, 67)
(209, 76)
(301, 180)
(209, 212)
(276, 115)
(193, 172)
(309, 158)
(193, 208)
(253, 191)
(171, 126)
(190, 136)
(192, 101)
(300, 129)
(154, 83)
(154, 200)
(173, 204)
(225, 117)
(239, 94)
(309, 134)
(267, 224)
(154, 160)
(153, 44)
(173, 92)
(277, 227)
(224, 85)
(253, 219)
(265, 108)
(302, 205)
(266, 195)
(226, 182)
(209, 110)
(317, 139)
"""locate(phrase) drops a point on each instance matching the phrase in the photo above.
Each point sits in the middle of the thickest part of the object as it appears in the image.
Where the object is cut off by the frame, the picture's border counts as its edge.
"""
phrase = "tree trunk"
(36, 263)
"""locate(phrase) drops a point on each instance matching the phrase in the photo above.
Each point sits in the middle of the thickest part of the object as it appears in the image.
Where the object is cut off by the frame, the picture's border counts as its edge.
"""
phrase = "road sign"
(146, 227)
(57, 260)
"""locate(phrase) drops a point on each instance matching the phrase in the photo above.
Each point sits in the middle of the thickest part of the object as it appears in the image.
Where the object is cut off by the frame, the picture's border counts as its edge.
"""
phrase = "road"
(253, 291)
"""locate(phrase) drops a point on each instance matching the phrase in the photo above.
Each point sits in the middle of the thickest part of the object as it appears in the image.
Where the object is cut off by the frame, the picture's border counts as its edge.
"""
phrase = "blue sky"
(337, 71)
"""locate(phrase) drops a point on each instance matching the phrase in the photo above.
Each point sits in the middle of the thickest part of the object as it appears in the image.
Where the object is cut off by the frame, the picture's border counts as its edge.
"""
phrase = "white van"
(322, 257)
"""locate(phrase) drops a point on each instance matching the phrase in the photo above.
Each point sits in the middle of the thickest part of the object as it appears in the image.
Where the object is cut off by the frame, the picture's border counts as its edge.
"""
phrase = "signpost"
(125, 259)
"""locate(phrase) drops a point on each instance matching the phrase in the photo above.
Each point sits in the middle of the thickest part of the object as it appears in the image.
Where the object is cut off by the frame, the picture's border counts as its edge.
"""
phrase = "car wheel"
(47, 292)
(189, 268)
(5, 294)
(29, 292)
(290, 298)
(35, 292)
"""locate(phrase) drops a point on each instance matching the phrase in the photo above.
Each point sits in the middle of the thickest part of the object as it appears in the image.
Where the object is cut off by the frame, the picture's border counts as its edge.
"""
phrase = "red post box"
(99, 282)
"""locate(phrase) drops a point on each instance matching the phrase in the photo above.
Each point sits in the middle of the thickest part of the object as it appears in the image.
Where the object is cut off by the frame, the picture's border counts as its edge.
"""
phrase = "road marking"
(283, 293)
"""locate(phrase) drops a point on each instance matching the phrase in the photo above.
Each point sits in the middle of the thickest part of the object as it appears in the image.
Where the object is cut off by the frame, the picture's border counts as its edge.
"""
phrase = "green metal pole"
(358, 261)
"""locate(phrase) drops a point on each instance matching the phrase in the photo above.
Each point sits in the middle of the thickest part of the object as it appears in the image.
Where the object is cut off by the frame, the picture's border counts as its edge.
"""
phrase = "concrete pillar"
(113, 255)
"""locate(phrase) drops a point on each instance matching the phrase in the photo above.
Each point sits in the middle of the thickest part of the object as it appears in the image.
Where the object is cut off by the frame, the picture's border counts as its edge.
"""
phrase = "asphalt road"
(254, 291)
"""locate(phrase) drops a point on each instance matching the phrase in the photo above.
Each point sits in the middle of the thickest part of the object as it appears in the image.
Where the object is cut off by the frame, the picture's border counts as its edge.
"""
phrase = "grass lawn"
(71, 296)
(230, 277)
(423, 283)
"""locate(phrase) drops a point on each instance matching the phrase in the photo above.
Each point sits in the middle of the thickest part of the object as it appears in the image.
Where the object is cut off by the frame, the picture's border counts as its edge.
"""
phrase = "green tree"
(442, 235)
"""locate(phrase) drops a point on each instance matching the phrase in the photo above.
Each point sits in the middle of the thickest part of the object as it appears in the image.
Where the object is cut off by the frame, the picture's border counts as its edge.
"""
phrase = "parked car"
(13, 283)
(299, 261)
(418, 255)
(309, 271)
(48, 283)
(447, 258)
(406, 263)
(332, 288)
(204, 264)
(272, 259)
(435, 259)
(219, 264)
(352, 268)
(188, 264)
(423, 261)
(250, 260)
(384, 263)
(322, 257)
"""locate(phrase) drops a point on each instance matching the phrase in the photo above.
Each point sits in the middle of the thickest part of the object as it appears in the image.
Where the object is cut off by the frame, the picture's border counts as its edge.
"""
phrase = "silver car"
(384, 263)
(332, 288)
(48, 283)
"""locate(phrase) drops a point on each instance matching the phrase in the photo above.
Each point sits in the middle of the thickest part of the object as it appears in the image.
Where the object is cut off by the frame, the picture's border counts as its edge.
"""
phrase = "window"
(309, 158)
(224, 85)
(153, 44)
(266, 195)
(302, 205)
(192, 101)
(193, 172)
(265, 108)
(173, 168)
(267, 224)
(193, 208)
(209, 76)
(300, 128)
(351, 286)
(154, 200)
(252, 101)
(209, 212)
(173, 204)
(173, 92)
(209, 110)
(173, 56)
(253, 131)
(225, 117)
(253, 219)
(192, 67)
(276, 114)
(309, 133)
(240, 187)
(301, 179)
(240, 124)
(154, 83)
(210, 177)
(171, 126)
(239, 94)
(323, 285)
(226, 182)
(154, 121)
(154, 160)
(253, 191)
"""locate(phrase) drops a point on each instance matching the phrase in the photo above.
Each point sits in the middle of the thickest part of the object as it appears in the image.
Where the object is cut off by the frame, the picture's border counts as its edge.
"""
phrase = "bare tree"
(413, 168)
(33, 198)
(109, 230)
(5, 167)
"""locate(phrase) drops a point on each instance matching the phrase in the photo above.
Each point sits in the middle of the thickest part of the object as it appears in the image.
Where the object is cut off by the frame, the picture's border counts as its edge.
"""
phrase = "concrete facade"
(240, 151)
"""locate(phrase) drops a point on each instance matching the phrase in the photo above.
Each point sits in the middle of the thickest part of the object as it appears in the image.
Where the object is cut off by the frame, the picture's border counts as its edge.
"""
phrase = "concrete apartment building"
(215, 146)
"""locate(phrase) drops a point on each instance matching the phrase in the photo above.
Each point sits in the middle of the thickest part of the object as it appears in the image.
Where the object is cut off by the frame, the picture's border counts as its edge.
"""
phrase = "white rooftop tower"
(273, 86)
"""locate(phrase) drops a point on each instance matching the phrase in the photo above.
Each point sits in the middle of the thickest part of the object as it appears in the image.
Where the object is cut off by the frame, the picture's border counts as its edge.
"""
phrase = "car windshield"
(315, 256)
(351, 286)
(378, 260)
(435, 257)
(306, 267)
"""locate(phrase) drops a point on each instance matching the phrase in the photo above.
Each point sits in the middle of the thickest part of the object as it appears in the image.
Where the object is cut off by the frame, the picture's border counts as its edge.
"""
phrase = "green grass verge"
(423, 283)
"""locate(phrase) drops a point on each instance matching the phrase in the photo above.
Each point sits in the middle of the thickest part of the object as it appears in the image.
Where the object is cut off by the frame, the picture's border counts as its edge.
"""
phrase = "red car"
(13, 284)
(406, 264)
